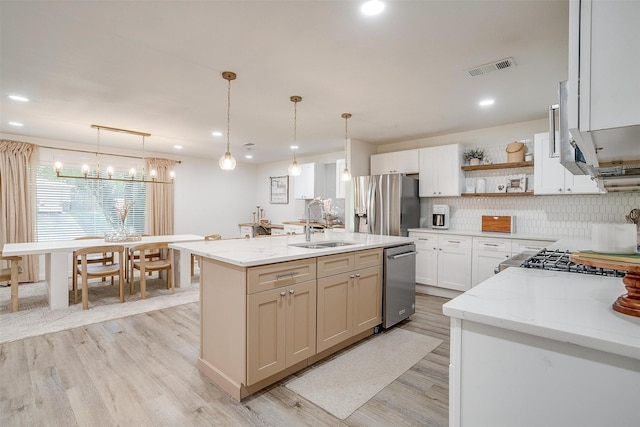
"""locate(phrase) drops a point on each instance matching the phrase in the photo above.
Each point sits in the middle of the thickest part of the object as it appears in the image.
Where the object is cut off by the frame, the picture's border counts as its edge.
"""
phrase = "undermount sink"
(322, 245)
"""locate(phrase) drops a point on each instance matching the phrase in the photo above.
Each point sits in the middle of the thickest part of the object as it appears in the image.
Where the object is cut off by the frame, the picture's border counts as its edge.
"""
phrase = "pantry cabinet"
(550, 177)
(440, 173)
(310, 183)
(349, 296)
(406, 162)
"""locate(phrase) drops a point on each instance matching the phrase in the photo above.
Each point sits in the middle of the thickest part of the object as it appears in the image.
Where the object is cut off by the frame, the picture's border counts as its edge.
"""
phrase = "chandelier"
(109, 171)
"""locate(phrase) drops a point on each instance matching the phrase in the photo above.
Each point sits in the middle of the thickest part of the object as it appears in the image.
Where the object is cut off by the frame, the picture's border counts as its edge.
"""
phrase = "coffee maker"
(440, 216)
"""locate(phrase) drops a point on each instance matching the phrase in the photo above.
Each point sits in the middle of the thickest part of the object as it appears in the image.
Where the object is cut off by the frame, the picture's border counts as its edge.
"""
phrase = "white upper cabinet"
(604, 41)
(310, 183)
(440, 173)
(396, 162)
(550, 177)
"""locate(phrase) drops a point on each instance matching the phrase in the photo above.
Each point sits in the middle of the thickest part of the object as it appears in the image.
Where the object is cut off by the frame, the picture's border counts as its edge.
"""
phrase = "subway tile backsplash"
(544, 215)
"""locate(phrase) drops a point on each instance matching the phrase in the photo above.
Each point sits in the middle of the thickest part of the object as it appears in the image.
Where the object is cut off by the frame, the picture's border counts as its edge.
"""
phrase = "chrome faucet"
(307, 231)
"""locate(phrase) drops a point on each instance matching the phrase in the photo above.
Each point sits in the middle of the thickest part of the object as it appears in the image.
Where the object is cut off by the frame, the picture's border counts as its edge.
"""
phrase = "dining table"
(57, 255)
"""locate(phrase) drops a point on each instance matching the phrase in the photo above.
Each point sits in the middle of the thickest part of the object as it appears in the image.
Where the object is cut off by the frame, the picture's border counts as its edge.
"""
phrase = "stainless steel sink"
(322, 245)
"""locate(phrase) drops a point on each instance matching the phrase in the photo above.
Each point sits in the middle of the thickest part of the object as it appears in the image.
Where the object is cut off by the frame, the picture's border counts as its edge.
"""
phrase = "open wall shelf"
(498, 166)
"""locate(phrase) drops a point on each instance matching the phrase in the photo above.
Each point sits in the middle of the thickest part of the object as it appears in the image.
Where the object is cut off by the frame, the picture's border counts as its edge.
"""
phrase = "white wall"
(209, 200)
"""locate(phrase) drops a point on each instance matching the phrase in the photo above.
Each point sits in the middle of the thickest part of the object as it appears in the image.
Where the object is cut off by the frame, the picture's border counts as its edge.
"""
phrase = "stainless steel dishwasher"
(399, 288)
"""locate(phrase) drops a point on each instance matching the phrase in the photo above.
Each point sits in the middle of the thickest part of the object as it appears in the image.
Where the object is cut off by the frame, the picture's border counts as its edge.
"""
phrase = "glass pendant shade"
(346, 175)
(227, 162)
(295, 169)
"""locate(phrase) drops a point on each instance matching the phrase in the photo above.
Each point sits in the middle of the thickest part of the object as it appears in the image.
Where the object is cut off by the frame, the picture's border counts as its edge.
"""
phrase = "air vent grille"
(501, 64)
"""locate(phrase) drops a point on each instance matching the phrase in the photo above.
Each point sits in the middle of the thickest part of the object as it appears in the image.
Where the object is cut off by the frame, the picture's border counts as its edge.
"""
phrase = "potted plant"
(474, 157)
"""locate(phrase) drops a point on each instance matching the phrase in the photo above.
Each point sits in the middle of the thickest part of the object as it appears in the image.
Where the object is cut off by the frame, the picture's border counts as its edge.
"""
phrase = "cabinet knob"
(568, 189)
(352, 276)
(560, 190)
(283, 293)
(358, 275)
(434, 249)
(292, 291)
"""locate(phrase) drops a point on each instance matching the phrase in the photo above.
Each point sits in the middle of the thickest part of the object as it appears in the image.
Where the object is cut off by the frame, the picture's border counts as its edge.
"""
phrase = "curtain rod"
(101, 153)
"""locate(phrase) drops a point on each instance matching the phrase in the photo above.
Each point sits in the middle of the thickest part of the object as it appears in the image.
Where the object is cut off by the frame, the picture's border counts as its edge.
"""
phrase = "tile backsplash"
(544, 215)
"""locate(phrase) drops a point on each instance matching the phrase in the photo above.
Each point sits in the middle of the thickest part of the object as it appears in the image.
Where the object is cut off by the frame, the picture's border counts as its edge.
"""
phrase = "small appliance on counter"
(440, 216)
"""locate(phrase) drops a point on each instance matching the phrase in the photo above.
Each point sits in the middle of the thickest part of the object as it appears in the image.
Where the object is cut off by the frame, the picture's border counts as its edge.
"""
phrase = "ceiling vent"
(492, 66)
(248, 144)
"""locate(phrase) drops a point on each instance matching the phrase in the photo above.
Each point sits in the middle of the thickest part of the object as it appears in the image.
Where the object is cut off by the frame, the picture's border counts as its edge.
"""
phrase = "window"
(67, 208)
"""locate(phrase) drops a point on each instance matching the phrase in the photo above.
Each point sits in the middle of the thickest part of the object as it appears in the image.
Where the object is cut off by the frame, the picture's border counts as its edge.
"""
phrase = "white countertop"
(268, 250)
(527, 236)
(567, 307)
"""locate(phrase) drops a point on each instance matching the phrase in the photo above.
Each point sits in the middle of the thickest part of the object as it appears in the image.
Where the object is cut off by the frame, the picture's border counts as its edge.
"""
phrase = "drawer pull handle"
(493, 245)
(454, 241)
(285, 275)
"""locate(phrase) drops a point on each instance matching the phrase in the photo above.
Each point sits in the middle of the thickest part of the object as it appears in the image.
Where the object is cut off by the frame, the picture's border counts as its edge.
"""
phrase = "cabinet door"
(484, 264)
(301, 322)
(579, 184)
(520, 245)
(549, 174)
(266, 334)
(454, 262)
(407, 161)
(335, 295)
(428, 185)
(367, 299)
(382, 163)
(450, 177)
(305, 182)
(426, 259)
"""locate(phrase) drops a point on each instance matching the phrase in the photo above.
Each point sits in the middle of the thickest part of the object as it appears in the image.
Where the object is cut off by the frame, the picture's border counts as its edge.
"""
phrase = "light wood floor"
(141, 371)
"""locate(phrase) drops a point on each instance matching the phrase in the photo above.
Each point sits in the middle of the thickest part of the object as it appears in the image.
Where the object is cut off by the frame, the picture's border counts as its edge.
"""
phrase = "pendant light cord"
(228, 112)
(295, 128)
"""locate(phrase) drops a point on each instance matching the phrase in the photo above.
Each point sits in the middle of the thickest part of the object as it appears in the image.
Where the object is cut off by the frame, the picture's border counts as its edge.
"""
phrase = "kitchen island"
(269, 308)
(533, 347)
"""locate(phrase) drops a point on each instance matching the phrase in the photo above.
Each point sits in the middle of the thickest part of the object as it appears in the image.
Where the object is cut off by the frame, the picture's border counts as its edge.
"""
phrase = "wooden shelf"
(526, 193)
(498, 166)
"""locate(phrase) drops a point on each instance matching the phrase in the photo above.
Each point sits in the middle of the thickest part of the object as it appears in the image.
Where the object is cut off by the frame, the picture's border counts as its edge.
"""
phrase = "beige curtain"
(161, 197)
(17, 200)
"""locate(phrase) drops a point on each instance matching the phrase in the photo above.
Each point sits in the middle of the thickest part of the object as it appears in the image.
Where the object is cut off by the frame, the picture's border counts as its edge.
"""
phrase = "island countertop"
(566, 307)
(269, 250)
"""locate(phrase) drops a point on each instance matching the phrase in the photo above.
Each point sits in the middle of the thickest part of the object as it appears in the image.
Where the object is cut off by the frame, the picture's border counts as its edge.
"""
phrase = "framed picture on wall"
(279, 189)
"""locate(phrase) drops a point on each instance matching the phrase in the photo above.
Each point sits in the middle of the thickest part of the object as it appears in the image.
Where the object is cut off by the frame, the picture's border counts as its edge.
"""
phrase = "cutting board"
(622, 258)
(500, 224)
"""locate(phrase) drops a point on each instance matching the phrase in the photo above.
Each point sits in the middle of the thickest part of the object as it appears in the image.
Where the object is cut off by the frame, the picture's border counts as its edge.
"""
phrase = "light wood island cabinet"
(262, 323)
(349, 295)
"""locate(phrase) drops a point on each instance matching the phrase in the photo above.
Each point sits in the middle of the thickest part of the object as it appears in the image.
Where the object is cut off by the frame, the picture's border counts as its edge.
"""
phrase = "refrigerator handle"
(371, 218)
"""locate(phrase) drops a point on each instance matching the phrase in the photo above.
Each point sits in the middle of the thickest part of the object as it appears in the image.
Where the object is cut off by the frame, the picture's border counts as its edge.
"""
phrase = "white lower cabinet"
(488, 253)
(443, 260)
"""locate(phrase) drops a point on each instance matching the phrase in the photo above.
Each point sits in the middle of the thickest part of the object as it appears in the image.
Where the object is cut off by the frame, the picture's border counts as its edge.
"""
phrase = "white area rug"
(35, 318)
(345, 383)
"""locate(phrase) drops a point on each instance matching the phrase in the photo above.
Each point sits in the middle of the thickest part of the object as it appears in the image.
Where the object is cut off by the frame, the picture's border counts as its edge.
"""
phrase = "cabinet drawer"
(368, 258)
(454, 241)
(518, 246)
(272, 276)
(330, 265)
(492, 244)
(424, 240)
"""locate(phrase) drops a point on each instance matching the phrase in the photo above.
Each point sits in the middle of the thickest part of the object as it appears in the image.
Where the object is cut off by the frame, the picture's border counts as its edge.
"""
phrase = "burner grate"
(559, 261)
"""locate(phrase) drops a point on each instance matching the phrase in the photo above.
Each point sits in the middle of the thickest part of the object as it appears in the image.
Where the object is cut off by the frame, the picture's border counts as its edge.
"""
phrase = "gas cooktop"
(559, 261)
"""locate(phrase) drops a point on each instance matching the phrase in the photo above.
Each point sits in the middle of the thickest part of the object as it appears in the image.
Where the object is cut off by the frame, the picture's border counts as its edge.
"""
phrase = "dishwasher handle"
(402, 255)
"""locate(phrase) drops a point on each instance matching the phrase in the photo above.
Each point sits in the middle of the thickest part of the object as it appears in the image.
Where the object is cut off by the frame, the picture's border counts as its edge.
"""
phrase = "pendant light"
(346, 175)
(227, 162)
(294, 167)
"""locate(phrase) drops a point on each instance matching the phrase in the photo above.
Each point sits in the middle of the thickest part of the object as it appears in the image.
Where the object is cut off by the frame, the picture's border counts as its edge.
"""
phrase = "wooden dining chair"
(105, 258)
(88, 270)
(11, 274)
(193, 257)
(145, 265)
(133, 257)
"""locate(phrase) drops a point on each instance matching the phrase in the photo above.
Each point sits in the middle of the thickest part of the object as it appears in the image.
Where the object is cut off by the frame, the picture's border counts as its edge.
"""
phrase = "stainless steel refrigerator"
(385, 204)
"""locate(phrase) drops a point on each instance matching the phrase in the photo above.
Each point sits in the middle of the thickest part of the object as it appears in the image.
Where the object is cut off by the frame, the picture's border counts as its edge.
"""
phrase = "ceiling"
(156, 67)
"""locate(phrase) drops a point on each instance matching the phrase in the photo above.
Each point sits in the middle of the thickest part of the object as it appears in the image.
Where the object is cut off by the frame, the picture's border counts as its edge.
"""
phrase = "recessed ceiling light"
(248, 156)
(18, 98)
(178, 147)
(216, 133)
(15, 124)
(486, 102)
(294, 147)
(372, 7)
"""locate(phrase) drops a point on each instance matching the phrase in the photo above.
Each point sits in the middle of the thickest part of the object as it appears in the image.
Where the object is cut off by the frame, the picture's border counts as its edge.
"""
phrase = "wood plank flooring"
(141, 371)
